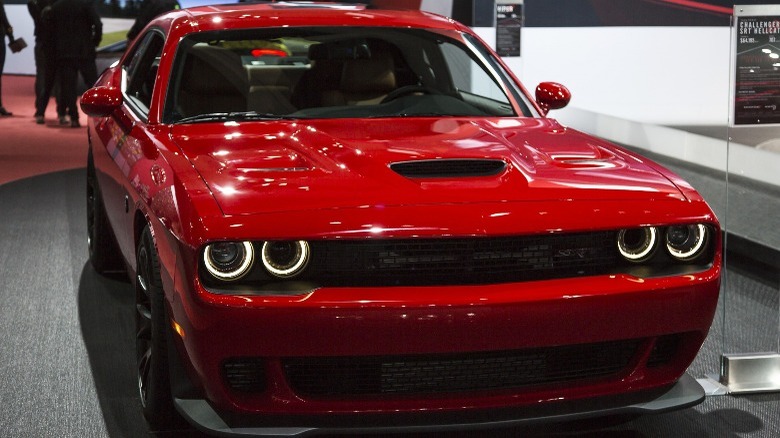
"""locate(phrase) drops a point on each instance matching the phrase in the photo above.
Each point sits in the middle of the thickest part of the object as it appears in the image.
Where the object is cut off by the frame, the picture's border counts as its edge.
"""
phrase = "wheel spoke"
(142, 284)
(143, 323)
(144, 366)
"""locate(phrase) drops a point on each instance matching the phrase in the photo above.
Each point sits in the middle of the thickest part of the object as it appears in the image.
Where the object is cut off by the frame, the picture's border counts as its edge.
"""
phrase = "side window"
(141, 72)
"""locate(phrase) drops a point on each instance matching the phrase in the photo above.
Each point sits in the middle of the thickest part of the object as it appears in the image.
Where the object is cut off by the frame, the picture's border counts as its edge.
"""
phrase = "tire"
(154, 386)
(103, 249)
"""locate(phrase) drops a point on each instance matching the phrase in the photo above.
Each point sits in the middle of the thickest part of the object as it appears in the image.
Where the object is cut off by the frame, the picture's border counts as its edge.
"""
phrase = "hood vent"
(449, 168)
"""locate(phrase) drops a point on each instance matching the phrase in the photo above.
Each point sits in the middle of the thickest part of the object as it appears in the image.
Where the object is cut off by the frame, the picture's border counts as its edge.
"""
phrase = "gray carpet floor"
(66, 349)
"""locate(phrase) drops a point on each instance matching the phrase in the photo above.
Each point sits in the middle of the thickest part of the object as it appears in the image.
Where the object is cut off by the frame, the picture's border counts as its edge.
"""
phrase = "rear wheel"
(154, 385)
(103, 250)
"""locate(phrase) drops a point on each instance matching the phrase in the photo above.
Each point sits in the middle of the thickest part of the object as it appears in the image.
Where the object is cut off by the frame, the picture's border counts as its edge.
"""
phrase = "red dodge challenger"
(341, 220)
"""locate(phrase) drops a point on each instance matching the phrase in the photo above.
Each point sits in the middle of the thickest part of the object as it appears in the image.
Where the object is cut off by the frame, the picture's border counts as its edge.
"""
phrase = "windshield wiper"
(235, 115)
(413, 114)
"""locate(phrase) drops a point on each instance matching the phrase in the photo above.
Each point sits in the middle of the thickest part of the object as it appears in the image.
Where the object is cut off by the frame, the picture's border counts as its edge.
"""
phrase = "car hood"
(260, 167)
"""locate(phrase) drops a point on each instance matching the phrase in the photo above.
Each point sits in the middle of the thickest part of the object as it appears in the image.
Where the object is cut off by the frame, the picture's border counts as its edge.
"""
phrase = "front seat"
(213, 81)
(363, 82)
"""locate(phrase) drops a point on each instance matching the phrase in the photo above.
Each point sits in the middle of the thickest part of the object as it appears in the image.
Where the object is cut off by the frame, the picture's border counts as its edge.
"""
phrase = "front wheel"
(154, 385)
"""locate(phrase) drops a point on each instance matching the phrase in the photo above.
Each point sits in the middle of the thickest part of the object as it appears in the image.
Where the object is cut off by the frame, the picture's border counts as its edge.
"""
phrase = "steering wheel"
(406, 90)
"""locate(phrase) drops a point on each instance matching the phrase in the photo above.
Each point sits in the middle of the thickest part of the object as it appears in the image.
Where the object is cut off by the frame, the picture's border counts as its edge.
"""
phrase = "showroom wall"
(661, 75)
(19, 18)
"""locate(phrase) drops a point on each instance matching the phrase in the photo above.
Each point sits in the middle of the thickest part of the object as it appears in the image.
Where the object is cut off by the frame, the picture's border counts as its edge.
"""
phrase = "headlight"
(637, 244)
(285, 259)
(686, 242)
(228, 260)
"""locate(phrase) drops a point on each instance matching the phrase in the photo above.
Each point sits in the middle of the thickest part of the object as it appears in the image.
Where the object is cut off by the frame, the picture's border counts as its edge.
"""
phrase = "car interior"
(328, 76)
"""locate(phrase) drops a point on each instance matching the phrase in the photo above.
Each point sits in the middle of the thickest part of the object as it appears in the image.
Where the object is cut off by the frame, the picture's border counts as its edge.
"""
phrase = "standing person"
(77, 31)
(150, 9)
(45, 69)
(8, 31)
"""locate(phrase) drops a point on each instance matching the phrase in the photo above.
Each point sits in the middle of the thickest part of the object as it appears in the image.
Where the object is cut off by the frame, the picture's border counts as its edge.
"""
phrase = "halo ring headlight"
(228, 261)
(686, 242)
(637, 244)
(285, 259)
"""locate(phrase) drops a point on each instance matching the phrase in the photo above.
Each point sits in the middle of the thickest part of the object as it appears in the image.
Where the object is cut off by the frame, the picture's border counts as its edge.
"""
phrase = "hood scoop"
(449, 168)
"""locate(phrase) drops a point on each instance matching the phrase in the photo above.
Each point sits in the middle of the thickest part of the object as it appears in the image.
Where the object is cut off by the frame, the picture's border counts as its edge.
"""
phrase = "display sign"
(757, 70)
(509, 22)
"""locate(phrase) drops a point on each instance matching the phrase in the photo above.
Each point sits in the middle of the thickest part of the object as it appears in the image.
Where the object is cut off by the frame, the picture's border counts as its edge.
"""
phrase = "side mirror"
(101, 101)
(552, 95)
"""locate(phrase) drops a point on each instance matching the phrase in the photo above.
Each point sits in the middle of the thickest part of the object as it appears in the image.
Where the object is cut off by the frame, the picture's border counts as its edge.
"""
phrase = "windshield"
(340, 72)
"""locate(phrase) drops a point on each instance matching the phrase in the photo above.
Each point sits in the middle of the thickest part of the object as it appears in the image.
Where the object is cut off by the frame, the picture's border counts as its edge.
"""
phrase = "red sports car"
(344, 220)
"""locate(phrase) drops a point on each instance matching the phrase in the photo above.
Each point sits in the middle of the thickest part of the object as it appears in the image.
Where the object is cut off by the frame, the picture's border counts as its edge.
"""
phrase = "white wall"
(660, 75)
(631, 84)
(24, 61)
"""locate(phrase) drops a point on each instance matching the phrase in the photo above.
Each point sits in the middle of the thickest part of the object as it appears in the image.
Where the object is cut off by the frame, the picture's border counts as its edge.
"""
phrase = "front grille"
(664, 349)
(449, 168)
(455, 261)
(245, 374)
(431, 374)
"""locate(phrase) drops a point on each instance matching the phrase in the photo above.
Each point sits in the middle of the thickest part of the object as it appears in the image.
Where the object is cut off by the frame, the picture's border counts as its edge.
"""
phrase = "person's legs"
(88, 71)
(49, 68)
(3, 111)
(40, 78)
(61, 110)
(68, 70)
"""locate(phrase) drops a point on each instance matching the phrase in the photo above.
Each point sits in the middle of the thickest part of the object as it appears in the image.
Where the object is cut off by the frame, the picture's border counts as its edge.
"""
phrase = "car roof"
(247, 15)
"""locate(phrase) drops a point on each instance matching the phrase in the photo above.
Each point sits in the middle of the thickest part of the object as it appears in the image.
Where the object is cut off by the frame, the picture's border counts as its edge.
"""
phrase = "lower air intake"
(430, 374)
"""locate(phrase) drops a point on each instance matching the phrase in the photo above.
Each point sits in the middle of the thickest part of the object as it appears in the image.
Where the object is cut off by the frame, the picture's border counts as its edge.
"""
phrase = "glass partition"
(751, 298)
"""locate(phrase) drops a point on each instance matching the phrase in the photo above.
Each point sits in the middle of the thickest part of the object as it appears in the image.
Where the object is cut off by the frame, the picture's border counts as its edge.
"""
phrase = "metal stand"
(745, 373)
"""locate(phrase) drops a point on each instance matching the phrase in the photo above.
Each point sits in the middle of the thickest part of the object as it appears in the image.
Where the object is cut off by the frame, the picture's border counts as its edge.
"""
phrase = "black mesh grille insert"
(448, 168)
(245, 374)
(347, 376)
(450, 261)
(664, 349)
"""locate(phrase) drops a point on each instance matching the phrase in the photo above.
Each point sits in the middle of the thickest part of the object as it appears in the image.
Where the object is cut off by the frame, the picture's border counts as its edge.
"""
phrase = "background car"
(361, 221)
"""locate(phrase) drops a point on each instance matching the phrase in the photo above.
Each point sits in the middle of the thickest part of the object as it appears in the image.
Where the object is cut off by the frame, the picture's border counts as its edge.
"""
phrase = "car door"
(128, 143)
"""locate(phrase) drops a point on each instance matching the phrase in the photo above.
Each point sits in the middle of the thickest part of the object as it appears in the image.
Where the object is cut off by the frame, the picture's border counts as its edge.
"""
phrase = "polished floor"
(67, 343)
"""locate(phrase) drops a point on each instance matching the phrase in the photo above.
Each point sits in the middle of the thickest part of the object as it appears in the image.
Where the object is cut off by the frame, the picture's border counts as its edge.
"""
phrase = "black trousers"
(45, 81)
(2, 64)
(68, 70)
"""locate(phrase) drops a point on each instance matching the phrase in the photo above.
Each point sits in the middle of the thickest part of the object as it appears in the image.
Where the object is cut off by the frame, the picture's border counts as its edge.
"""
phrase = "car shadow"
(106, 313)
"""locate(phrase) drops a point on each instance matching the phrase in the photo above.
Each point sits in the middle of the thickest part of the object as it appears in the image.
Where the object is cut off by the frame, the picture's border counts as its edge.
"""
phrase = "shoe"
(39, 120)
(74, 123)
(5, 113)
(64, 120)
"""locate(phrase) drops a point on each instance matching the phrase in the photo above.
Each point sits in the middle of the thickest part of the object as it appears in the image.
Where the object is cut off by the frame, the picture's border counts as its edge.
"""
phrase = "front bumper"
(660, 322)
(685, 392)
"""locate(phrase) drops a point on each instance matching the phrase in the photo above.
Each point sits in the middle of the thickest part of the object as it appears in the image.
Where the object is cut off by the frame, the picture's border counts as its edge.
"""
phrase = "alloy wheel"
(143, 323)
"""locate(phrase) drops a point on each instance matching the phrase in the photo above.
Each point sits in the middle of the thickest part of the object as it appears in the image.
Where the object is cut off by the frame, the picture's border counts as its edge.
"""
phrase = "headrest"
(214, 70)
(339, 50)
(267, 76)
(318, 52)
(374, 74)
